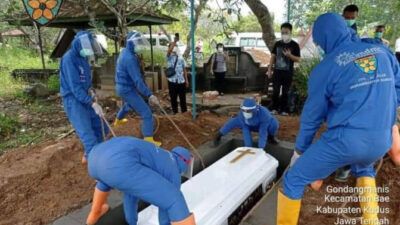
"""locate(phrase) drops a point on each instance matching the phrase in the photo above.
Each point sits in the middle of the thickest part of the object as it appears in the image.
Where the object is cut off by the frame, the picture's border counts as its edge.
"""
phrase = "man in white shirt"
(398, 49)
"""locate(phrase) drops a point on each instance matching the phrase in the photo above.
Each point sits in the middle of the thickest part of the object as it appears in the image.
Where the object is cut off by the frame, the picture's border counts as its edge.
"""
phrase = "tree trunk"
(264, 18)
(197, 12)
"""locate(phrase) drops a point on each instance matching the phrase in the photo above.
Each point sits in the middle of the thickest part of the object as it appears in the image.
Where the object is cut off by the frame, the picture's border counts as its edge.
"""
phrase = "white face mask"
(247, 115)
(220, 50)
(286, 38)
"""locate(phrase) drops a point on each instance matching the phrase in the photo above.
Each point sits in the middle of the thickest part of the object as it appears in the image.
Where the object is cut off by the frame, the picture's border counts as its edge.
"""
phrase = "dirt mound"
(387, 177)
(40, 184)
(199, 131)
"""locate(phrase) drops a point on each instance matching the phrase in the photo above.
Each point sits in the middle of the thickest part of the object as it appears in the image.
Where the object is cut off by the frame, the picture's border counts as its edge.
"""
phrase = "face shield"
(248, 111)
(90, 48)
(140, 43)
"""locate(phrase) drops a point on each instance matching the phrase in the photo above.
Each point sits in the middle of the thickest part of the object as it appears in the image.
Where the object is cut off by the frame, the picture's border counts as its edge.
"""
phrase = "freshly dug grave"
(41, 183)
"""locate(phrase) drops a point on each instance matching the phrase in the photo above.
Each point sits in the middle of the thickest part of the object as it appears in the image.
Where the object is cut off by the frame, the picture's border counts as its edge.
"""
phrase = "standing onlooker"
(178, 83)
(378, 37)
(284, 54)
(218, 67)
(398, 49)
(350, 14)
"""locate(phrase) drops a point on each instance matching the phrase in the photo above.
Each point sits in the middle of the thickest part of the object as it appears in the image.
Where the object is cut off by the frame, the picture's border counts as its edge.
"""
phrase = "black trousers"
(219, 81)
(398, 56)
(177, 90)
(281, 79)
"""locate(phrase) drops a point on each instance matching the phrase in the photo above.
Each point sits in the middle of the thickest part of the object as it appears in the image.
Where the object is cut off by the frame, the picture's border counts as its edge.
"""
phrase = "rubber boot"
(316, 185)
(120, 122)
(99, 206)
(394, 152)
(288, 210)
(368, 200)
(151, 139)
(188, 221)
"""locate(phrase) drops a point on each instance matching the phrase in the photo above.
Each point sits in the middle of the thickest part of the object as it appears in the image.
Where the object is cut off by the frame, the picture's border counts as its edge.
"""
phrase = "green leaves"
(372, 12)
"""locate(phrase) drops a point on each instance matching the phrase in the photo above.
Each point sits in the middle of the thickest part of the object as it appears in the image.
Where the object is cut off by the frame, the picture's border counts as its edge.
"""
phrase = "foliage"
(17, 58)
(8, 125)
(301, 75)
(158, 56)
(247, 23)
(21, 139)
(371, 13)
(53, 83)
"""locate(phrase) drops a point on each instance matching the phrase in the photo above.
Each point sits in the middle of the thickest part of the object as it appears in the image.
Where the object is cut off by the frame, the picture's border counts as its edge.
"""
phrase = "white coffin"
(214, 193)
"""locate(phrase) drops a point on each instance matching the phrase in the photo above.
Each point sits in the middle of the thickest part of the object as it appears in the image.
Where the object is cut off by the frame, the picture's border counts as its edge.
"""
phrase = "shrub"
(301, 74)
(160, 57)
(53, 84)
(298, 93)
(8, 125)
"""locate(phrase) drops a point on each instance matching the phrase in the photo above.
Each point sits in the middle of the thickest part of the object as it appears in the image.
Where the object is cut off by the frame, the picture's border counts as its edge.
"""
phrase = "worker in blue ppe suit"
(76, 81)
(252, 118)
(130, 86)
(354, 90)
(342, 174)
(140, 170)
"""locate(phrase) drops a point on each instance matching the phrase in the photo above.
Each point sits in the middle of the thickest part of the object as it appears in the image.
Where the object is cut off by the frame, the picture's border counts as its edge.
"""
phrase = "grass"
(160, 58)
(53, 83)
(8, 125)
(8, 85)
(17, 57)
(23, 138)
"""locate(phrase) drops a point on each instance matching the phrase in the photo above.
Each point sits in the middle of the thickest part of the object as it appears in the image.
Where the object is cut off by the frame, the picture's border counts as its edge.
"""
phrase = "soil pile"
(388, 177)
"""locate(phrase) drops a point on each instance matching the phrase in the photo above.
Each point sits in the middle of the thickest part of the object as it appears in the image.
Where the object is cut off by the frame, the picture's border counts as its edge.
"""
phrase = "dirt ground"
(43, 182)
(388, 176)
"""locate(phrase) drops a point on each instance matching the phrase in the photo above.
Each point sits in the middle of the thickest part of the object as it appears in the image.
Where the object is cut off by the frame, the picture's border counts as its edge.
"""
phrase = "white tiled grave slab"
(215, 193)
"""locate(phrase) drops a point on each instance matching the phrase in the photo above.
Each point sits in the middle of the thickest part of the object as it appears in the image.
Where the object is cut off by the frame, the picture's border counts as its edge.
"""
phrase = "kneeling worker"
(252, 118)
(140, 170)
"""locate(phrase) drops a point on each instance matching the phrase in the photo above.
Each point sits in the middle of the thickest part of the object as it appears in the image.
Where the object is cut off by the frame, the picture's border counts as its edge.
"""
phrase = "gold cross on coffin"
(242, 154)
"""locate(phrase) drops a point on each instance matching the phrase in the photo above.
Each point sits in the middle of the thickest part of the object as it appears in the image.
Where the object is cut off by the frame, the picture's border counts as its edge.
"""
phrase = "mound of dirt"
(43, 183)
(388, 177)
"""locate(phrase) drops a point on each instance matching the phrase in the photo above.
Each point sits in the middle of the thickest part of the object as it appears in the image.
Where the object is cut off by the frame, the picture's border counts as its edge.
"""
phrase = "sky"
(277, 7)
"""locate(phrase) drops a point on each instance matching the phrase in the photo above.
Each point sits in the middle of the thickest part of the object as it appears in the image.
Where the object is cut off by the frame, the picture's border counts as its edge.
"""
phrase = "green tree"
(247, 23)
(371, 13)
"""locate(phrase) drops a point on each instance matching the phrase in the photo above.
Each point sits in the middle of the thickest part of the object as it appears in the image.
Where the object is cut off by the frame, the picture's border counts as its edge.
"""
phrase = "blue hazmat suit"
(141, 170)
(262, 122)
(354, 90)
(75, 82)
(130, 86)
(372, 40)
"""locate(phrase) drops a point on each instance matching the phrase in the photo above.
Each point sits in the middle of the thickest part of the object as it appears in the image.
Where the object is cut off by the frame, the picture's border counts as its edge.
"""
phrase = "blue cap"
(249, 103)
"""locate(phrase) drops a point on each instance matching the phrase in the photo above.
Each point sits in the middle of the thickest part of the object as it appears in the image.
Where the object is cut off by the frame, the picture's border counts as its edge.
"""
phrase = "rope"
(157, 124)
(102, 117)
(108, 125)
(184, 136)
